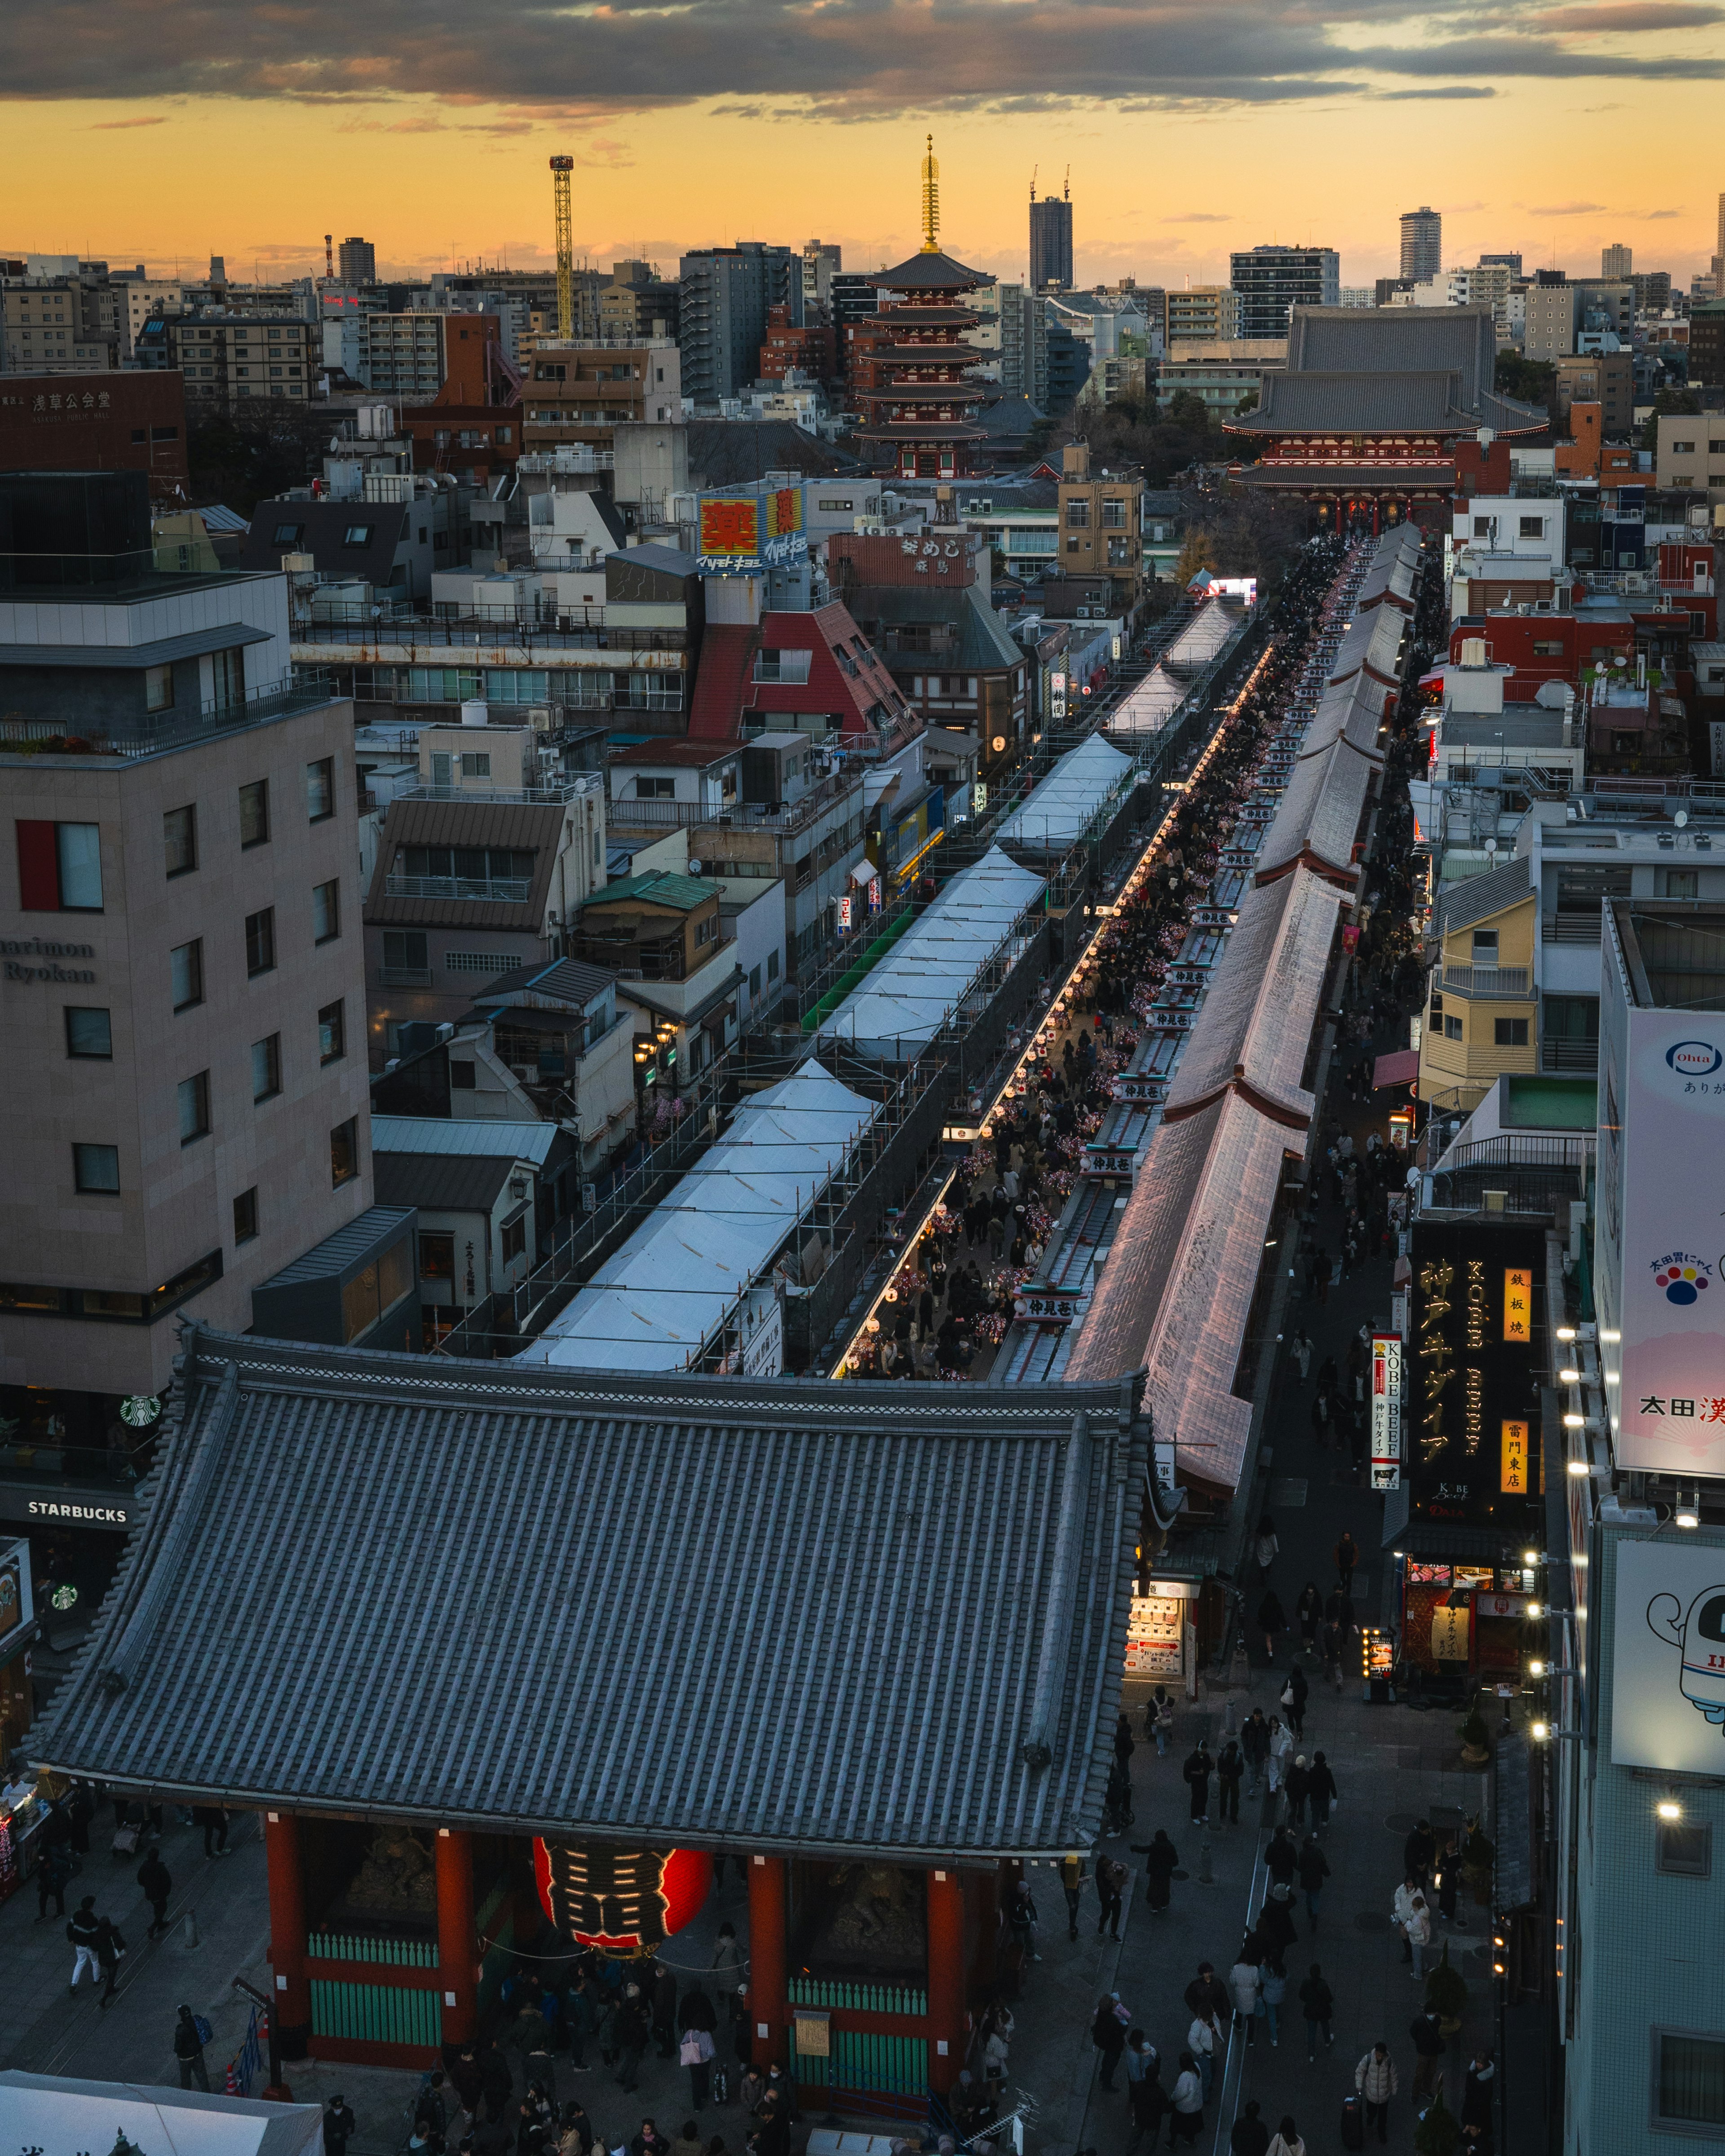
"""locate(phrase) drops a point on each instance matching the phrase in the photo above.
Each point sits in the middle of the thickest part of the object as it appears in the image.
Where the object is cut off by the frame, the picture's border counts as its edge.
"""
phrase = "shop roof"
(904, 1001)
(1373, 643)
(753, 1613)
(360, 1241)
(1058, 811)
(1319, 815)
(441, 1182)
(1351, 710)
(1204, 634)
(661, 1298)
(1482, 895)
(474, 1139)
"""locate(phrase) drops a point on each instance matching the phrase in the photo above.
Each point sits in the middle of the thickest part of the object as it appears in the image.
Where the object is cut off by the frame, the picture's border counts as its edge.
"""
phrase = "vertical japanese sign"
(1386, 1410)
(1512, 1475)
(1519, 1306)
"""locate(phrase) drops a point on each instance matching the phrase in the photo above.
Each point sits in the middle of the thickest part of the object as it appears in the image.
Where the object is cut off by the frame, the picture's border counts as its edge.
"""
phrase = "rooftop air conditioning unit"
(539, 718)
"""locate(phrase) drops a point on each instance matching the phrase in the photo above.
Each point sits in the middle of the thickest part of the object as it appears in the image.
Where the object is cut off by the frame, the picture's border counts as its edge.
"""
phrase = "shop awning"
(1203, 636)
(1401, 1067)
(1147, 707)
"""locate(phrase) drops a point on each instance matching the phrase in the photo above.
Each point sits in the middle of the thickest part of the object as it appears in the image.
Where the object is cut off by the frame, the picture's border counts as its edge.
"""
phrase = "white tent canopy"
(60, 2117)
(1149, 706)
(1055, 815)
(1203, 635)
(925, 977)
(658, 1301)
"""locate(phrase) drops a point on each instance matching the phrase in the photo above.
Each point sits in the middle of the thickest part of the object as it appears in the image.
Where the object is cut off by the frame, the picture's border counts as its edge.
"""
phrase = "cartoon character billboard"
(1668, 1672)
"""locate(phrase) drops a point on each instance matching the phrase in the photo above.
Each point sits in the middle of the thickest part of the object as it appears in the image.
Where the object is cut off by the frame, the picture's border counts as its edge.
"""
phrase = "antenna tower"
(1034, 170)
(1066, 186)
(561, 168)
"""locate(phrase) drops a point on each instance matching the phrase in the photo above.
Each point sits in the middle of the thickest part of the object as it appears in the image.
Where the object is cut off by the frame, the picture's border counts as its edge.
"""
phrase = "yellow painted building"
(1481, 1017)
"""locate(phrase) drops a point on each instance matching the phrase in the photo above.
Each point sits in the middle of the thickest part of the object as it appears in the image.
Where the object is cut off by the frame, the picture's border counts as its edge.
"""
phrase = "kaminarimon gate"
(504, 1656)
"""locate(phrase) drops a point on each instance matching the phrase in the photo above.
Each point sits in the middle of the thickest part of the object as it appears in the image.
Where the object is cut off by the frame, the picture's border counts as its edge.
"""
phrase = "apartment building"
(1206, 313)
(1269, 280)
(184, 992)
(1604, 378)
(1558, 313)
(230, 361)
(724, 293)
(580, 391)
(1690, 454)
(59, 326)
(1102, 531)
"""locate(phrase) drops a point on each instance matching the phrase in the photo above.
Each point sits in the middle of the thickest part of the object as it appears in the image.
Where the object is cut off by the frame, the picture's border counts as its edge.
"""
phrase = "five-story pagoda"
(921, 402)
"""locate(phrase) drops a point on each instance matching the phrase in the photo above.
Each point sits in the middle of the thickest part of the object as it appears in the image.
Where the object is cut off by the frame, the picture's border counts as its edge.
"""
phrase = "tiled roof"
(569, 980)
(934, 272)
(470, 1137)
(440, 1182)
(766, 1612)
(526, 827)
(1345, 341)
(657, 887)
(1361, 402)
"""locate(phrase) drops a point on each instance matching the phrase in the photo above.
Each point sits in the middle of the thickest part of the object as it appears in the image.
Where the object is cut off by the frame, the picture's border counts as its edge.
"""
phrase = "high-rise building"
(724, 293)
(356, 262)
(1512, 263)
(1616, 261)
(1024, 345)
(1050, 245)
(1422, 243)
(823, 259)
(1269, 280)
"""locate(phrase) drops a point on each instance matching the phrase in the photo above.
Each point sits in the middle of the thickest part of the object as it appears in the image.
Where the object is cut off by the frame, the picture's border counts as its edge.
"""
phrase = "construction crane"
(561, 168)
(1034, 170)
(1066, 186)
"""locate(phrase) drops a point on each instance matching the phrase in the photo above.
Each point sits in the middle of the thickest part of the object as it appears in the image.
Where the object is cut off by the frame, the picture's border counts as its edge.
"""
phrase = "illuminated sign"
(1512, 1478)
(1386, 1410)
(744, 531)
(621, 1899)
(1519, 1306)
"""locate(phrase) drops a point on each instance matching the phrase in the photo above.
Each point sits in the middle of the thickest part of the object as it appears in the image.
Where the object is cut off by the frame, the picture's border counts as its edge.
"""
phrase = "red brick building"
(473, 427)
(133, 421)
(811, 348)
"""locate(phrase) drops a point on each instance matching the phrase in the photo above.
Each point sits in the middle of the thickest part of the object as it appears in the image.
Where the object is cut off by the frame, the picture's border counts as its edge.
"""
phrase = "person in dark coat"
(1107, 2032)
(1208, 1998)
(1297, 1783)
(464, 2080)
(1281, 1860)
(111, 1949)
(1111, 1878)
(1297, 1688)
(189, 2052)
(154, 1877)
(1160, 1859)
(339, 2126)
(1276, 1923)
(1196, 1774)
(664, 2009)
(54, 1869)
(1477, 2099)
(629, 2036)
(1271, 1622)
(1419, 1851)
(696, 2011)
(1322, 1792)
(1230, 1767)
(495, 2083)
(1250, 2136)
(1314, 1870)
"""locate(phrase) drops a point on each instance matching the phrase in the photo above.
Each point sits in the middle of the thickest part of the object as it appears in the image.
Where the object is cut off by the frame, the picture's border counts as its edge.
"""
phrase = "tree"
(1664, 401)
(242, 462)
(1529, 381)
(1195, 554)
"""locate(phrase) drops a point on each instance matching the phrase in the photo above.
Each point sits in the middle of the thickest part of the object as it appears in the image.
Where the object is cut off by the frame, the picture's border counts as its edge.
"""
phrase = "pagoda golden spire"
(931, 200)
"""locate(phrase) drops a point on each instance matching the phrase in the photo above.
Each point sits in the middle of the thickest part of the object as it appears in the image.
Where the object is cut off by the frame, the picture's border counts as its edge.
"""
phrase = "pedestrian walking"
(1419, 1934)
(1317, 2002)
(339, 2123)
(1272, 1622)
(1287, 2141)
(153, 1877)
(1243, 1983)
(81, 1937)
(1347, 1555)
(1230, 1767)
(1281, 1860)
(1250, 2136)
(1196, 1774)
(1294, 1695)
(1265, 1548)
(629, 2037)
(1402, 1910)
(1185, 2120)
(54, 1868)
(1021, 1916)
(1255, 1744)
(1297, 1783)
(189, 2041)
(1146, 2097)
(1282, 1750)
(213, 1819)
(1374, 2080)
(1275, 1920)
(110, 1952)
(1208, 1996)
(1299, 1350)
(1477, 2100)
(1419, 1853)
(729, 1964)
(1309, 1610)
(1111, 1884)
(1160, 1859)
(1107, 2032)
(1272, 1989)
(1202, 2040)
(1160, 1714)
(1124, 1745)
(1322, 1792)
(696, 2051)
(1314, 1870)
(1073, 1876)
(1429, 2048)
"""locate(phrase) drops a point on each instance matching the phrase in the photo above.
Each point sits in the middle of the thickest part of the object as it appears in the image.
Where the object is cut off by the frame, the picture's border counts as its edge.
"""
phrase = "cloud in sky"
(1568, 209)
(1199, 217)
(1450, 91)
(843, 58)
(108, 126)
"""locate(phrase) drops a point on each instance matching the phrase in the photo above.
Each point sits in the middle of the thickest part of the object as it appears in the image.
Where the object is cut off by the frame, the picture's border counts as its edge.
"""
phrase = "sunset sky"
(165, 131)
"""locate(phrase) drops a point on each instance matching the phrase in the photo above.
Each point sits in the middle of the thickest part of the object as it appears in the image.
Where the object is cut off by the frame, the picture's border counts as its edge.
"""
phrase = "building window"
(254, 813)
(656, 790)
(320, 789)
(287, 534)
(327, 911)
(1683, 883)
(788, 667)
(266, 1068)
(158, 688)
(96, 1168)
(357, 535)
(193, 1095)
(245, 1215)
(513, 1241)
(1113, 516)
(180, 839)
(89, 1033)
(1688, 2082)
(475, 765)
(1485, 946)
(59, 867)
(185, 973)
(333, 1034)
(1509, 1032)
(1452, 1028)
(405, 951)
(437, 1256)
(344, 1153)
(227, 678)
(1078, 515)
(464, 1076)
(260, 942)
(772, 965)
(1532, 527)
(1683, 1849)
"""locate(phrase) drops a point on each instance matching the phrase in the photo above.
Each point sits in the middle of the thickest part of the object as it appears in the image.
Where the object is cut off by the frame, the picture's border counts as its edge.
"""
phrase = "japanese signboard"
(1386, 1410)
(1044, 1306)
(1662, 1248)
(1128, 1085)
(746, 531)
(1470, 1376)
(1110, 1160)
(1155, 1635)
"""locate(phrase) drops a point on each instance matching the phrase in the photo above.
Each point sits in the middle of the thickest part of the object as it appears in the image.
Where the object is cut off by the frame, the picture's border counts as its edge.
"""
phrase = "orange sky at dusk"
(1188, 130)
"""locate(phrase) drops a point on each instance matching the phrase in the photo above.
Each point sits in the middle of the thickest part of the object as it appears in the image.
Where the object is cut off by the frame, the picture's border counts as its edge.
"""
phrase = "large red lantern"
(621, 1900)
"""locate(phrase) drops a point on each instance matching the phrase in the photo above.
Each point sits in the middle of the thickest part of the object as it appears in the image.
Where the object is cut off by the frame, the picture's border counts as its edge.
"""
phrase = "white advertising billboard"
(1668, 1666)
(1672, 1311)
(1386, 1410)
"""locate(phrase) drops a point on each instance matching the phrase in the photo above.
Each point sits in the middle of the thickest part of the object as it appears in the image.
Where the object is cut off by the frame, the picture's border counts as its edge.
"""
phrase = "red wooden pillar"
(768, 2010)
(1376, 510)
(948, 2018)
(287, 1934)
(457, 1935)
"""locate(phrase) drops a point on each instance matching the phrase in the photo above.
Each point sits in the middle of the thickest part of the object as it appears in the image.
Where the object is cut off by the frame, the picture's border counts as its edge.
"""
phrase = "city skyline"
(696, 173)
